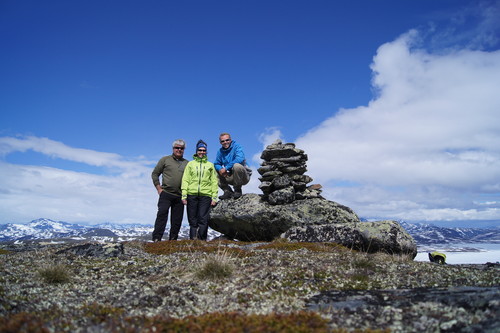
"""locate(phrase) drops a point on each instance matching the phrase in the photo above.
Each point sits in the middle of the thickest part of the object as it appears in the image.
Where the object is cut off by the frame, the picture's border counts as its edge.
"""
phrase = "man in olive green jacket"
(171, 168)
(199, 191)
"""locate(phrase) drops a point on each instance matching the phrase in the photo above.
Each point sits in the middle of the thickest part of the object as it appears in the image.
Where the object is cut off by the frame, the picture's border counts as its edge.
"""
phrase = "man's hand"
(159, 189)
(223, 172)
(184, 202)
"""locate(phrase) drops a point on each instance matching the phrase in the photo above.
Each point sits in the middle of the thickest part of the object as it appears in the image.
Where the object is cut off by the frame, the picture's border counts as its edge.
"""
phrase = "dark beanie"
(201, 144)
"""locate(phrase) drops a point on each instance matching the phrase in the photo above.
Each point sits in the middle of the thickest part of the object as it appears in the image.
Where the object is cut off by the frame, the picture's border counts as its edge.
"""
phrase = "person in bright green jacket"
(199, 191)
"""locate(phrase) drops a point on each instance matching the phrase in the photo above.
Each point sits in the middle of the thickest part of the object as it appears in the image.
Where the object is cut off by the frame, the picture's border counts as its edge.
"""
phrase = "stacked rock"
(283, 180)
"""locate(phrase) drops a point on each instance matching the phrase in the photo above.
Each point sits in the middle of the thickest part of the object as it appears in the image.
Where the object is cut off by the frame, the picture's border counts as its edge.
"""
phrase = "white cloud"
(267, 137)
(435, 124)
(28, 191)
(56, 149)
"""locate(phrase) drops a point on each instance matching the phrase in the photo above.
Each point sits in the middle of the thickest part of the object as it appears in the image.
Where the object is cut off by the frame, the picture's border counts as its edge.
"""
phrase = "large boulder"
(291, 209)
(381, 236)
(252, 219)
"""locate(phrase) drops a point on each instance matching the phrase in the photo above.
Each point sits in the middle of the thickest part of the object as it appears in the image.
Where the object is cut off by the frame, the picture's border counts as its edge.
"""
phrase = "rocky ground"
(206, 286)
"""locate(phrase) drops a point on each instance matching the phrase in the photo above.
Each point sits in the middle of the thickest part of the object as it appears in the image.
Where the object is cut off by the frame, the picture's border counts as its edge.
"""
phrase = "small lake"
(462, 253)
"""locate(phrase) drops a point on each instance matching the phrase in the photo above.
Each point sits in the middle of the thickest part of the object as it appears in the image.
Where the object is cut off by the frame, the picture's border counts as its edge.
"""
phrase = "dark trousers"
(173, 203)
(198, 210)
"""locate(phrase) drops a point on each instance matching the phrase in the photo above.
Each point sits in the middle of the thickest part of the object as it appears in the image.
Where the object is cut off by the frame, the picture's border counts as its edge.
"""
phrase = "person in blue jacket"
(231, 167)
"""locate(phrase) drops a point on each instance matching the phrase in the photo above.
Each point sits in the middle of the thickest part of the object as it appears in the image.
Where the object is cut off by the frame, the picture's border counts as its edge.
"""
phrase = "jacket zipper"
(200, 175)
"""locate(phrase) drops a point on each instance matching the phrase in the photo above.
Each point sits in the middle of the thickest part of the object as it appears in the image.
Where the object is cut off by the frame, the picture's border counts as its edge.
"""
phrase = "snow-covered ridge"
(46, 229)
(427, 234)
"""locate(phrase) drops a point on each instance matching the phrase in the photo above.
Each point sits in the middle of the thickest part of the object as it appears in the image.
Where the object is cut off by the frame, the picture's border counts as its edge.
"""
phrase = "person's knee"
(238, 167)
(241, 176)
(163, 210)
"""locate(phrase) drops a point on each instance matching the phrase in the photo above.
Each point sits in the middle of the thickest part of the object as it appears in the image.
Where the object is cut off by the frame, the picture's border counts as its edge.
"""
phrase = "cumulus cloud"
(28, 192)
(434, 126)
(267, 137)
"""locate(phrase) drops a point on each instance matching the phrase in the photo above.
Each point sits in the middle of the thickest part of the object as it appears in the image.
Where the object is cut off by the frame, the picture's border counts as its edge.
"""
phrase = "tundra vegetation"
(224, 286)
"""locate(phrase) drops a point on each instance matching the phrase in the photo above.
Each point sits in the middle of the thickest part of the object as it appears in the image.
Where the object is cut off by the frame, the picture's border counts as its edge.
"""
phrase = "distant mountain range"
(428, 234)
(46, 229)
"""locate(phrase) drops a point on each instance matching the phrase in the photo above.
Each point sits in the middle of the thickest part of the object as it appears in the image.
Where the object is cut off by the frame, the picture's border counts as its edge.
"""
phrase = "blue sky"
(396, 103)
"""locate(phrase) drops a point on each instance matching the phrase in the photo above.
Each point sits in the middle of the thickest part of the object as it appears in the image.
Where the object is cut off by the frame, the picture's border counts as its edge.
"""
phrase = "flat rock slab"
(454, 309)
(106, 250)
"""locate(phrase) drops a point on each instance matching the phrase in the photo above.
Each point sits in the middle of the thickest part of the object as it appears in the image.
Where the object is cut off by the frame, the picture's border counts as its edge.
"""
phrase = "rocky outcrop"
(251, 218)
(291, 209)
(420, 309)
(99, 250)
(381, 236)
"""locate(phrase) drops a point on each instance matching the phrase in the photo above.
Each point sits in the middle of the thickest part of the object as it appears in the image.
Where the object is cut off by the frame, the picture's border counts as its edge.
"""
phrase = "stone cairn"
(282, 175)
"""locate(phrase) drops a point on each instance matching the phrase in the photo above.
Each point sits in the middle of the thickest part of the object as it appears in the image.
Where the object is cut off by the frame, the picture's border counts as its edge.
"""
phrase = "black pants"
(198, 210)
(173, 203)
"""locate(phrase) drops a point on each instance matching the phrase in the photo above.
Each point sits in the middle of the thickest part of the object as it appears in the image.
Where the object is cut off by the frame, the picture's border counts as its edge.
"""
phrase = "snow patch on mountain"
(47, 229)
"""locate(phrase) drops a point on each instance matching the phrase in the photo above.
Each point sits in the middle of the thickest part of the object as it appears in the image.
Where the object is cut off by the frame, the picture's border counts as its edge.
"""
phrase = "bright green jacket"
(200, 178)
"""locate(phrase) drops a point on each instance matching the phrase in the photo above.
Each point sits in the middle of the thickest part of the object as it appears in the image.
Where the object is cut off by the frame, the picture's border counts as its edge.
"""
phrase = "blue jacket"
(226, 158)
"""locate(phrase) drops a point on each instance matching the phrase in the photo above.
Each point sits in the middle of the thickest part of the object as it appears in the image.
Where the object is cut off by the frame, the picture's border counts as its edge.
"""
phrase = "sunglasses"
(179, 148)
(227, 140)
(202, 150)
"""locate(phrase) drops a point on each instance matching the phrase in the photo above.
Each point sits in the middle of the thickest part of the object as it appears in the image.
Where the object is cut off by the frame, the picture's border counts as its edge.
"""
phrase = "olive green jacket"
(171, 171)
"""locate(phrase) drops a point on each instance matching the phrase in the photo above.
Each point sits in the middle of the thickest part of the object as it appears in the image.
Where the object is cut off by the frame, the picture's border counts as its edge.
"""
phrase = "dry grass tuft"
(54, 274)
(191, 246)
(299, 322)
(216, 266)
(285, 245)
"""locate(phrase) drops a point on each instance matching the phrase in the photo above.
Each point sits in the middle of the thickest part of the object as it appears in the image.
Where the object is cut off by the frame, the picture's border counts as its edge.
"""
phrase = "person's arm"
(219, 165)
(214, 186)
(218, 161)
(186, 180)
(238, 156)
(155, 175)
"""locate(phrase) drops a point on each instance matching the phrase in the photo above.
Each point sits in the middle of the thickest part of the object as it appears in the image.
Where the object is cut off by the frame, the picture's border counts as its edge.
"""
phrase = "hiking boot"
(237, 193)
(226, 195)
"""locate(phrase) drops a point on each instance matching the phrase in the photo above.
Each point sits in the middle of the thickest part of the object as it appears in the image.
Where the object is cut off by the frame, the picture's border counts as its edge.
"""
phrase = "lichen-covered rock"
(381, 236)
(107, 250)
(291, 209)
(311, 220)
(252, 219)
(421, 309)
(282, 196)
(282, 174)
